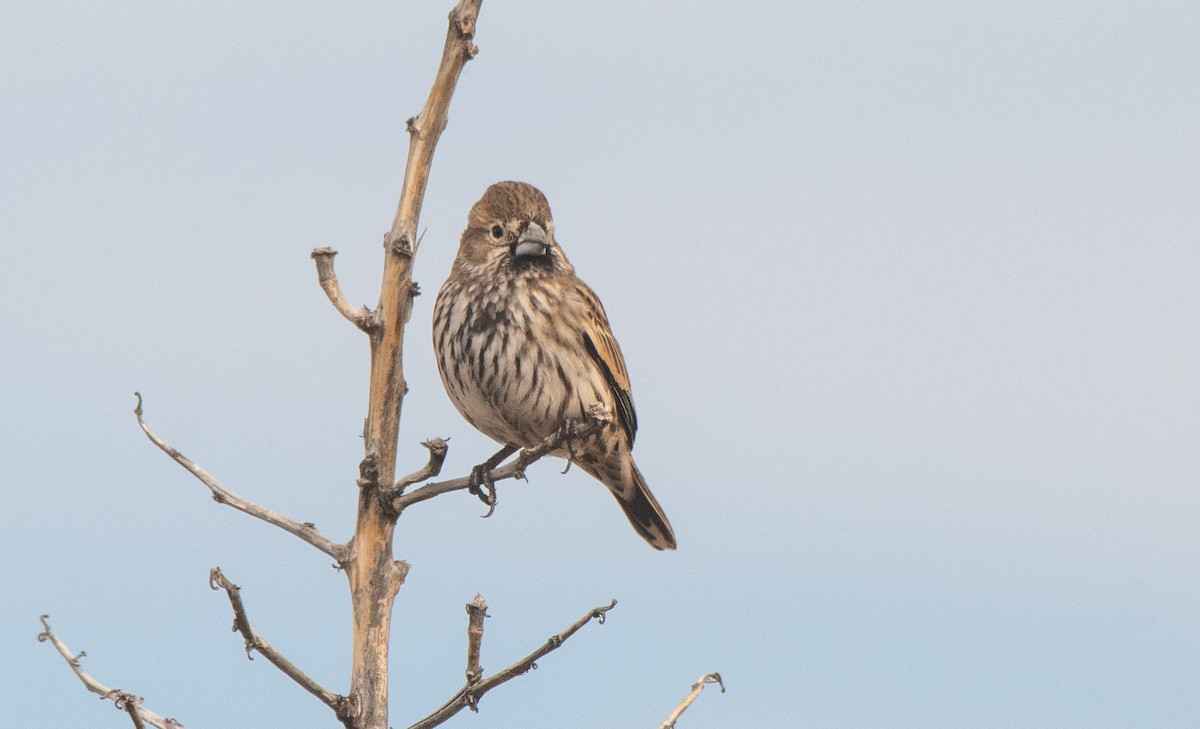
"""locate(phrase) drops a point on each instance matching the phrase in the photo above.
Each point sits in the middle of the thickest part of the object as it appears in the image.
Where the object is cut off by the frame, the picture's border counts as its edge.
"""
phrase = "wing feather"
(606, 353)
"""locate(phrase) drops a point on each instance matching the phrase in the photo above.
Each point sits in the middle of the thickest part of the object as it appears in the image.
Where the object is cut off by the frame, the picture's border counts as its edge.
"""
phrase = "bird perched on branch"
(524, 346)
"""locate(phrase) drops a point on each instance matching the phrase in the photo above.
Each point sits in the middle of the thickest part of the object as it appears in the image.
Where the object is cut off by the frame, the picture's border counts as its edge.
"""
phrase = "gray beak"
(533, 242)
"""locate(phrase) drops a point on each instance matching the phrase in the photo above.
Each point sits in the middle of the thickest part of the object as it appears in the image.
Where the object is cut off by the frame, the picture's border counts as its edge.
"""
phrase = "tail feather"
(645, 514)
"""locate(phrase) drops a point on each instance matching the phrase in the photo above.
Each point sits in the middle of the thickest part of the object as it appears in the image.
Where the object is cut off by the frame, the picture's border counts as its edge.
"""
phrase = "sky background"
(909, 294)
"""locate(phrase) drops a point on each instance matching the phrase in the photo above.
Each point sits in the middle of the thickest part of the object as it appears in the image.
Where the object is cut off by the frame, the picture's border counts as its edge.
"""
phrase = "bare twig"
(222, 495)
(596, 417)
(669, 722)
(476, 612)
(124, 701)
(359, 316)
(341, 705)
(468, 696)
(437, 448)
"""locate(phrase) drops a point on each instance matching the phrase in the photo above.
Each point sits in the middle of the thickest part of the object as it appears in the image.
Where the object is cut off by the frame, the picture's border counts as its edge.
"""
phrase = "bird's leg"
(481, 475)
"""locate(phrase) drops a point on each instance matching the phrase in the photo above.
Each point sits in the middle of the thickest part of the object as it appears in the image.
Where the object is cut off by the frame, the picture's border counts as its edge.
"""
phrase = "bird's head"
(511, 229)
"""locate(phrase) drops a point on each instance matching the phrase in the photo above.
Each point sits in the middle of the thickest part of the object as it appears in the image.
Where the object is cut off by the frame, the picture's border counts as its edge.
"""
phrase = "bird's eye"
(497, 231)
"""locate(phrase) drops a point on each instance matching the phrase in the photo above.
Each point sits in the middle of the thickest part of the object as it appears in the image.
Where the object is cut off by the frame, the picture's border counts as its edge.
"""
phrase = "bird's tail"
(644, 513)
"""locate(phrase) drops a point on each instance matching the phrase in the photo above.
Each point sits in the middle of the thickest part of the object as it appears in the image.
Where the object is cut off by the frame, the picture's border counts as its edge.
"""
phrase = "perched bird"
(523, 346)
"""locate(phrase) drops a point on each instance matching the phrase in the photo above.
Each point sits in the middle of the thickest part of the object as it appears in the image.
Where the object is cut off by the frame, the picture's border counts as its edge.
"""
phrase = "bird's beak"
(533, 241)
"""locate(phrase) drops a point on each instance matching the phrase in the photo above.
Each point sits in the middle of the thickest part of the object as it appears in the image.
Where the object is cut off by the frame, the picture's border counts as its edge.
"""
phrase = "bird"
(523, 346)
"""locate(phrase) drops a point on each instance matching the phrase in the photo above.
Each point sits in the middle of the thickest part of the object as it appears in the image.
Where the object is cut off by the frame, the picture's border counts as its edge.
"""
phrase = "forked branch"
(222, 495)
(596, 417)
(124, 701)
(468, 696)
(341, 705)
(669, 722)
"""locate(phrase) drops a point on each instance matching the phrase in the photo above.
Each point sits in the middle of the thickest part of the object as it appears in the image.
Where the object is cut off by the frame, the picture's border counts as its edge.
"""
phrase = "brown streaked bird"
(523, 346)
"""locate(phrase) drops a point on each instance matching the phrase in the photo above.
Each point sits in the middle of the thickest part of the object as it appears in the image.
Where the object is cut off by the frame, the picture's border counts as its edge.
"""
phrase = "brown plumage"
(523, 345)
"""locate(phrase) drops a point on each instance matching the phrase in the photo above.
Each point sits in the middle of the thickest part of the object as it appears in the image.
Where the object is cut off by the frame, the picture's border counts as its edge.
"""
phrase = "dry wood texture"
(375, 576)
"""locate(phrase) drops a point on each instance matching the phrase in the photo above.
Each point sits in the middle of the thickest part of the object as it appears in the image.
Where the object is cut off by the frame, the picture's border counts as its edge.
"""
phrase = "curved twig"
(222, 495)
(669, 722)
(122, 700)
(437, 448)
(468, 696)
(359, 316)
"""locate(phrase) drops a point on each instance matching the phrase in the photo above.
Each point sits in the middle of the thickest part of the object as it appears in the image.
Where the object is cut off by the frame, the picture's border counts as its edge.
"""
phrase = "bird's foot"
(481, 476)
(483, 486)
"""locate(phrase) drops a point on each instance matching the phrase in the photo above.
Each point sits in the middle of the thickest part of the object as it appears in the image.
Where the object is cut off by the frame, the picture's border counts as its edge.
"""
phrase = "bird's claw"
(570, 443)
(481, 476)
(490, 501)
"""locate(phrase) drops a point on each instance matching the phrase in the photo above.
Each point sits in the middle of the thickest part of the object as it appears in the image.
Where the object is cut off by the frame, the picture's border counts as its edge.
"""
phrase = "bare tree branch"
(594, 419)
(341, 705)
(222, 495)
(359, 316)
(123, 701)
(669, 722)
(468, 696)
(375, 576)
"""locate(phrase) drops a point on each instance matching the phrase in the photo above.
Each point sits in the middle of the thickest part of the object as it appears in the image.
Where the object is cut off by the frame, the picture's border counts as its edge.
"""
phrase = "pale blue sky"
(909, 293)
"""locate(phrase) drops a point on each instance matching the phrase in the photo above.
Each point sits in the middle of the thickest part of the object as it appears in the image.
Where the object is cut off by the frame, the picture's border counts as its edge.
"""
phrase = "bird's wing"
(606, 353)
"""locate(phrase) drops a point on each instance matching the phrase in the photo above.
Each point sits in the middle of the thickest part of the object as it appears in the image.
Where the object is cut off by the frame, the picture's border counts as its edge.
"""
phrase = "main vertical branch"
(395, 301)
(374, 575)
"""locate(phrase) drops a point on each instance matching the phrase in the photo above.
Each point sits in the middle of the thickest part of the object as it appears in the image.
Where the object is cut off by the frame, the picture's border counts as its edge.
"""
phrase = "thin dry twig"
(124, 701)
(669, 722)
(437, 448)
(359, 316)
(476, 612)
(596, 417)
(222, 495)
(341, 705)
(468, 696)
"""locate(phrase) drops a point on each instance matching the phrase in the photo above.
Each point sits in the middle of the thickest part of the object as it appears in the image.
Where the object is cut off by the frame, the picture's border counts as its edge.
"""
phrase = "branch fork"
(475, 687)
(123, 700)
